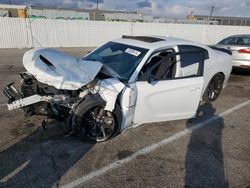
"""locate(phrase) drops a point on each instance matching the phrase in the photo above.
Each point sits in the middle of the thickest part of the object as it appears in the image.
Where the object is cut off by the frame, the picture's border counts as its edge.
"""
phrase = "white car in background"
(239, 45)
(128, 81)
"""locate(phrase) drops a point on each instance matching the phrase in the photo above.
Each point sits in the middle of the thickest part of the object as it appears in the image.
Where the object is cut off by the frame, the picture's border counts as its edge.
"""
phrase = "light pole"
(211, 13)
(97, 5)
(57, 12)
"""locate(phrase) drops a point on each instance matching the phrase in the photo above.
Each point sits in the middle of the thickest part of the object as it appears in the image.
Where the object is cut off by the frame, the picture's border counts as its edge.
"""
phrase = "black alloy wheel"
(214, 88)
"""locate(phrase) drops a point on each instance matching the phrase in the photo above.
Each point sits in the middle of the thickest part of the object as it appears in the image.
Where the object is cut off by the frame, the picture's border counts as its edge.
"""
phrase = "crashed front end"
(56, 83)
(36, 98)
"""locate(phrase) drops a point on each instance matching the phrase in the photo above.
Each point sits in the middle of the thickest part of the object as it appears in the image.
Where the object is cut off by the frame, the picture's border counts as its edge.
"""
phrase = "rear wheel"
(93, 121)
(214, 88)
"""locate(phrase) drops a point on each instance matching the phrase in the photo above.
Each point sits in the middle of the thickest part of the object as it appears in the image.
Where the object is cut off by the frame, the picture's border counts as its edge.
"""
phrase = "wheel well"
(205, 96)
(223, 75)
(90, 101)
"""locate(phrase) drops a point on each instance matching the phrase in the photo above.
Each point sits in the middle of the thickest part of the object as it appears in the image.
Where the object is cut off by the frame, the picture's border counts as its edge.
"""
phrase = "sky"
(158, 8)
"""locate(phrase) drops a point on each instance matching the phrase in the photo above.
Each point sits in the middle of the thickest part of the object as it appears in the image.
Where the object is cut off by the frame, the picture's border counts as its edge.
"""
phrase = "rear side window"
(230, 40)
(243, 41)
(236, 41)
(192, 54)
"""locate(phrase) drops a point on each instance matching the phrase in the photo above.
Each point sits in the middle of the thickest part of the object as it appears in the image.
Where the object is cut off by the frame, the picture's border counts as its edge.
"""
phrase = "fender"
(109, 89)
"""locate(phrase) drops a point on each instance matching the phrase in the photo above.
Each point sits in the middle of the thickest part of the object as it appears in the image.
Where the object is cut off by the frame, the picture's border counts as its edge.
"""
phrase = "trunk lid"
(236, 55)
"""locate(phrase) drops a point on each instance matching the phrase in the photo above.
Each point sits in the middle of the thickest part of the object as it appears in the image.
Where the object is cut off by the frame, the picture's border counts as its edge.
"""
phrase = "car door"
(164, 98)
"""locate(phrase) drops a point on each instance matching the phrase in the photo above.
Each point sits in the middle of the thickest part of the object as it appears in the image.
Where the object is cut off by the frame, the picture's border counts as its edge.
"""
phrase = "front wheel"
(214, 88)
(93, 121)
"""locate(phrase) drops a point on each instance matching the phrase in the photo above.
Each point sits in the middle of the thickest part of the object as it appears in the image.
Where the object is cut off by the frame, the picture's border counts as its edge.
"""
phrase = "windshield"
(121, 58)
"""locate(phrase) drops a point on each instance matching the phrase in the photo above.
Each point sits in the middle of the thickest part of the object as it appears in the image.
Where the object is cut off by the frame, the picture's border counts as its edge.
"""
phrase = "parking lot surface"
(211, 150)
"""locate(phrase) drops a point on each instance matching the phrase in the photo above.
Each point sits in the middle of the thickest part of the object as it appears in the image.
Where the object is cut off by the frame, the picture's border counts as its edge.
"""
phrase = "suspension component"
(12, 93)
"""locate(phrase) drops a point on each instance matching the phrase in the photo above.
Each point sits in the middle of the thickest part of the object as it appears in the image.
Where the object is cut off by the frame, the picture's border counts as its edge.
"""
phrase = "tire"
(88, 123)
(214, 88)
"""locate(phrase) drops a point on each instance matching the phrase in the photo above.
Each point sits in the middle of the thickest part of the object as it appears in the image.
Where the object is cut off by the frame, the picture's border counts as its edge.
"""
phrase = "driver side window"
(160, 66)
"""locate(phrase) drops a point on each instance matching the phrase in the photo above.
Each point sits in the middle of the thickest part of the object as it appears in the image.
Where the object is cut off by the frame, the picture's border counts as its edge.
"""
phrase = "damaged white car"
(129, 81)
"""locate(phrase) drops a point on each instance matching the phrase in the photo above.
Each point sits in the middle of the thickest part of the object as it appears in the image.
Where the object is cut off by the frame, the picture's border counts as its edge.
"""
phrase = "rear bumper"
(244, 64)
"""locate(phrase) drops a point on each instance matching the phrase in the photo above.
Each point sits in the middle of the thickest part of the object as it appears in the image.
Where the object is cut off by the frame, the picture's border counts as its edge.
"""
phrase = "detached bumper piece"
(27, 101)
(16, 99)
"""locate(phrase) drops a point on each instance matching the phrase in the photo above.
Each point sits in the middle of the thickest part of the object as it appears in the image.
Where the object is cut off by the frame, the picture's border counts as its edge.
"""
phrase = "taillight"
(244, 51)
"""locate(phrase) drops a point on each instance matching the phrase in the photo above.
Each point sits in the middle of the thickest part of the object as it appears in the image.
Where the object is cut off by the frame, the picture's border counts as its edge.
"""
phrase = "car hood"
(60, 70)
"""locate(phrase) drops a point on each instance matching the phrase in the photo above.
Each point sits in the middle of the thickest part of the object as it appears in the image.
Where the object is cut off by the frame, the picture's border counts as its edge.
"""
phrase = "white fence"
(26, 33)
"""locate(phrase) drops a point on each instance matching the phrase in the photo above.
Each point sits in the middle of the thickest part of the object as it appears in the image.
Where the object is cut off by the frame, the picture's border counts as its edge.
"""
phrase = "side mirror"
(151, 79)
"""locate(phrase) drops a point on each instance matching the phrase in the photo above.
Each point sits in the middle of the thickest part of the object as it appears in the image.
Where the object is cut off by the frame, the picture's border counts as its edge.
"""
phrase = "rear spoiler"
(221, 49)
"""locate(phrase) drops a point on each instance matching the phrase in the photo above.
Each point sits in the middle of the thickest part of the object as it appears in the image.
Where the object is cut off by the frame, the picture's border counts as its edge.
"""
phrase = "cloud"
(95, 1)
(165, 8)
(143, 4)
(247, 3)
(222, 8)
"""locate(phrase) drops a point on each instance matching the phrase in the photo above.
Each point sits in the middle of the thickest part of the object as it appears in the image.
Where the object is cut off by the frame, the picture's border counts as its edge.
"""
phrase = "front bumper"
(17, 100)
(28, 101)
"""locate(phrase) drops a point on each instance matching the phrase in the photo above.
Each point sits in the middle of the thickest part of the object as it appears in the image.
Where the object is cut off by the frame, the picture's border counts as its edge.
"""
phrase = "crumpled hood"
(60, 70)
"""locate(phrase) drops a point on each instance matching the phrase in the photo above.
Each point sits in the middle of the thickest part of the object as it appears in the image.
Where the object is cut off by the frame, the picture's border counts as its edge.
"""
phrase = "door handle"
(195, 88)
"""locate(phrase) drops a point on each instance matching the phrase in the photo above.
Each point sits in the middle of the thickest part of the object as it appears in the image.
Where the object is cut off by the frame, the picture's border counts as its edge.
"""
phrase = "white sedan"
(239, 45)
(126, 82)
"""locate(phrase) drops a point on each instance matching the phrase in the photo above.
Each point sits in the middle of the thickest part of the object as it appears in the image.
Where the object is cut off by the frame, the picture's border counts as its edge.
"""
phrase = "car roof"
(242, 35)
(155, 42)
